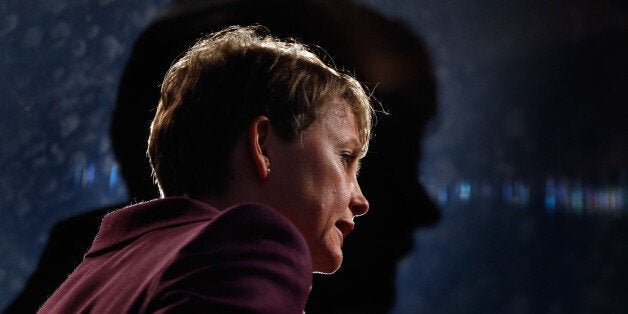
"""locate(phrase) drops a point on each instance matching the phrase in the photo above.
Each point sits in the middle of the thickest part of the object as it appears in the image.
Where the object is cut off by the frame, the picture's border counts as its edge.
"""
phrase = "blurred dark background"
(527, 156)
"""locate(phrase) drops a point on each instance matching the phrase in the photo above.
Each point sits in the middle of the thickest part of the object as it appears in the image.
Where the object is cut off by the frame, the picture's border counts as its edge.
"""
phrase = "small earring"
(267, 170)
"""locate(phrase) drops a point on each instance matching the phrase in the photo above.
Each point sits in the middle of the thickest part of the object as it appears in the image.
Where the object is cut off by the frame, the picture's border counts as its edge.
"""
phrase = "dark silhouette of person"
(382, 52)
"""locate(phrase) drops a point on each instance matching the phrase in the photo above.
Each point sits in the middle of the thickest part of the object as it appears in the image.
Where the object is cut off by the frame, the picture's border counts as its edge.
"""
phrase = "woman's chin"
(328, 265)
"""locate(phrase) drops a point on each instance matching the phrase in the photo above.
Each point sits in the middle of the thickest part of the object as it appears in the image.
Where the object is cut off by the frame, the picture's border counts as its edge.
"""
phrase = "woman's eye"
(346, 157)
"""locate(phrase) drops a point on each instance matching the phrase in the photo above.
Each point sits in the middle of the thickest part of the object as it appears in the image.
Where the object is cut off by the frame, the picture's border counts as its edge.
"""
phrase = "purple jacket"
(181, 255)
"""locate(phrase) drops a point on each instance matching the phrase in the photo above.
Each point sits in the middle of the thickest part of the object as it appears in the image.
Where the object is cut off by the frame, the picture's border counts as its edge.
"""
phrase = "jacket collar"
(129, 223)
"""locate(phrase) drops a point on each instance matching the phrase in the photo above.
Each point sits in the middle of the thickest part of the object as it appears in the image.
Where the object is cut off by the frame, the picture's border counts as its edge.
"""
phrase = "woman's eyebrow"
(353, 143)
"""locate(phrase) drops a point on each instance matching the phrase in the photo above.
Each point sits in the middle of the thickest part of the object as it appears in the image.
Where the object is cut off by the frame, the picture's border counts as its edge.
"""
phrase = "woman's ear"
(259, 130)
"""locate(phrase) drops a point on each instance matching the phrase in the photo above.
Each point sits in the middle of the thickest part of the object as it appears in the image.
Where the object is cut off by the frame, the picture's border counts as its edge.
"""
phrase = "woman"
(255, 148)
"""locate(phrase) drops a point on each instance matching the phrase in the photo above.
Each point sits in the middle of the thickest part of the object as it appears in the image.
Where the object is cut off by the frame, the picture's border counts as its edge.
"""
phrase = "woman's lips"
(345, 227)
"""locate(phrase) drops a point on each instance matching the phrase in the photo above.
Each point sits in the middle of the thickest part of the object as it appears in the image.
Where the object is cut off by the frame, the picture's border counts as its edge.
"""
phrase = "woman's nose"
(359, 204)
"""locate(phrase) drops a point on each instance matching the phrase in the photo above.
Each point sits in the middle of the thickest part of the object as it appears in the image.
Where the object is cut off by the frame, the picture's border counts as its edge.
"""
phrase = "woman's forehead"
(338, 111)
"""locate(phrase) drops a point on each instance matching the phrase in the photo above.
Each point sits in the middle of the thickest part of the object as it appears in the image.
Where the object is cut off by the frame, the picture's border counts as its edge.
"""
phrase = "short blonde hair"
(211, 94)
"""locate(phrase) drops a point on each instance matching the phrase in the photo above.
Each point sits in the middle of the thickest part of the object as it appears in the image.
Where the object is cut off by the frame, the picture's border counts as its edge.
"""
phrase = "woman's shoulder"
(247, 250)
(257, 223)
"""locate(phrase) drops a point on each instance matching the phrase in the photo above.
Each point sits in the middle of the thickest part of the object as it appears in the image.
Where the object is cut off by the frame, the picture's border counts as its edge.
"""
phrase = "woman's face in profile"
(314, 183)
